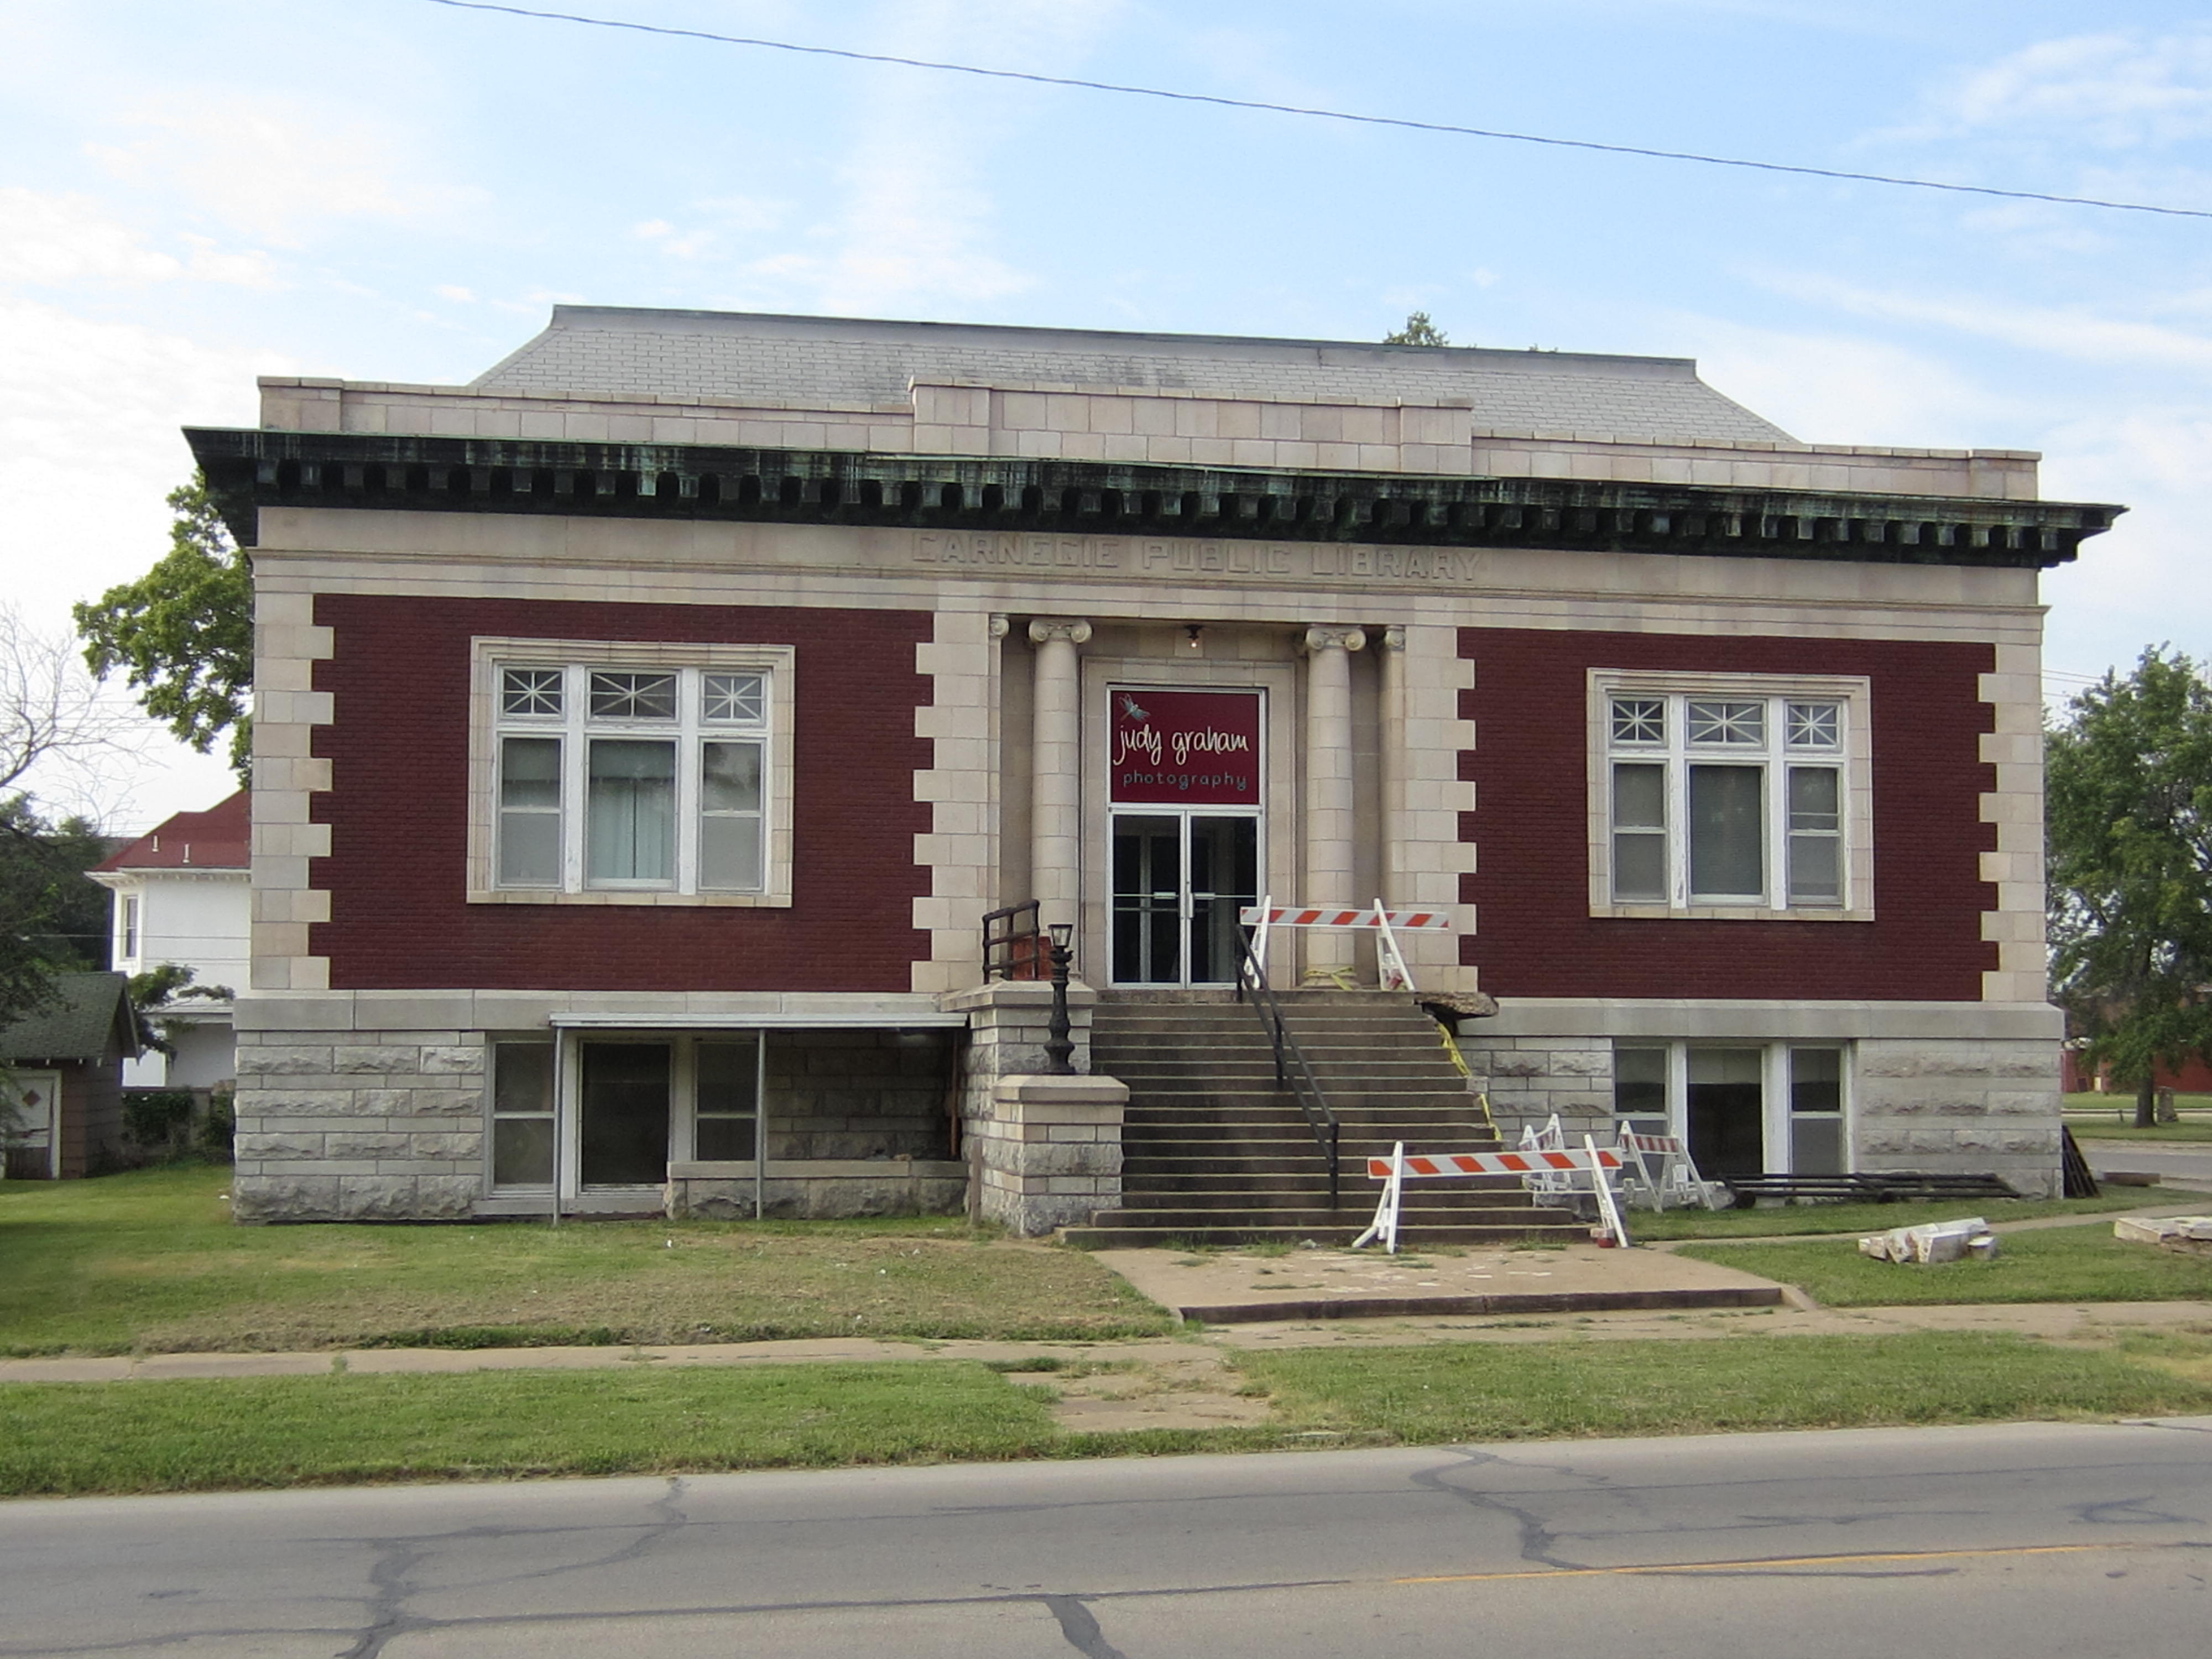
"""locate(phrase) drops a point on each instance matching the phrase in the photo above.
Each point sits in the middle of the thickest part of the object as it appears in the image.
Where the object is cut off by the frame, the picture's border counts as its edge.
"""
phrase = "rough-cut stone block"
(352, 1143)
(284, 1198)
(446, 1197)
(251, 1145)
(294, 1102)
(349, 1058)
(272, 1060)
(377, 1197)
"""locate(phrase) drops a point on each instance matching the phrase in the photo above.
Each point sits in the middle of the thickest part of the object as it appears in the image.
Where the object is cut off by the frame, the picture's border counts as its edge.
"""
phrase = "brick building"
(645, 729)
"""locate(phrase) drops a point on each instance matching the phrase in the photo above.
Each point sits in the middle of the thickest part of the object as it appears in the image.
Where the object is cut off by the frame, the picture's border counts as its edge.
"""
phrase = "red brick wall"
(1536, 935)
(398, 810)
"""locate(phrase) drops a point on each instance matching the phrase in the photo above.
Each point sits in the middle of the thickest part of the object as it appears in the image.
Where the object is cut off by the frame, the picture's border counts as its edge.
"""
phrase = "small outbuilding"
(61, 1067)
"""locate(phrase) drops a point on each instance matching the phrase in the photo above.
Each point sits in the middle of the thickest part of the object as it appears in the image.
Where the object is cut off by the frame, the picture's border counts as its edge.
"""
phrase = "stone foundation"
(383, 1126)
(1927, 1090)
(823, 1187)
(1046, 1152)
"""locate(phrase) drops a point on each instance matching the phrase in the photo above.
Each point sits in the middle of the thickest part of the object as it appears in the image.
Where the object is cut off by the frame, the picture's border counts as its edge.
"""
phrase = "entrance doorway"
(1180, 878)
(623, 1129)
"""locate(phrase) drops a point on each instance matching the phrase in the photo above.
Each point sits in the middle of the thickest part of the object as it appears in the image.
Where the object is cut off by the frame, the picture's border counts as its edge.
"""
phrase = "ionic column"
(1055, 768)
(1328, 785)
(1391, 753)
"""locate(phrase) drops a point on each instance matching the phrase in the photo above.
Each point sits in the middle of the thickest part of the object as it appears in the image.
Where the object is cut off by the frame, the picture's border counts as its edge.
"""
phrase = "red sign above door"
(1184, 748)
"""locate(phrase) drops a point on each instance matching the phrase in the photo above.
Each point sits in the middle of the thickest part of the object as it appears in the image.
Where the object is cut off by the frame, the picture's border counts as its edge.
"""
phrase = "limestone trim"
(488, 653)
(2014, 692)
(287, 776)
(961, 848)
(1096, 575)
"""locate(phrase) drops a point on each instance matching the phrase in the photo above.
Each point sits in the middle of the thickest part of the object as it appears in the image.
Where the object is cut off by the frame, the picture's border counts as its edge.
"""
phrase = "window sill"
(609, 896)
(1722, 913)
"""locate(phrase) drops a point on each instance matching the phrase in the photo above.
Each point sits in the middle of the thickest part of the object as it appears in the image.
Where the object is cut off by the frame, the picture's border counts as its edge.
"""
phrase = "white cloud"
(2114, 90)
(916, 229)
(89, 447)
(272, 166)
(455, 292)
(1837, 389)
(89, 413)
(2081, 335)
(55, 241)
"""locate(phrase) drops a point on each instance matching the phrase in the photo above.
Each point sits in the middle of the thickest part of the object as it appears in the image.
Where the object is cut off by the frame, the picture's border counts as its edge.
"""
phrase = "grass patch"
(1645, 1225)
(1483, 1391)
(149, 1262)
(2189, 1131)
(2063, 1264)
(281, 1432)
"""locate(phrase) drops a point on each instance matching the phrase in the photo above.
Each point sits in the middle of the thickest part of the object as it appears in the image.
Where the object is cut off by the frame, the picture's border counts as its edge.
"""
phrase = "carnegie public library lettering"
(667, 777)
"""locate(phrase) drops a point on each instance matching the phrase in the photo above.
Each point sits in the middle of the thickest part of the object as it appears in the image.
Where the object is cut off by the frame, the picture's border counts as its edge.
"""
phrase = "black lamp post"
(1058, 1047)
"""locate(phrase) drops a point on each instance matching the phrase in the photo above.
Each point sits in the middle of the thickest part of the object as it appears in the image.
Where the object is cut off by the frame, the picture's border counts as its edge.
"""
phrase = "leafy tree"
(1418, 330)
(2129, 819)
(163, 987)
(183, 630)
(56, 917)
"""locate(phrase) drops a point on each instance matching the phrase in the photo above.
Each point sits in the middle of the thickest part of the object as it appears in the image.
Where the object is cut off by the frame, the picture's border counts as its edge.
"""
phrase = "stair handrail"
(1292, 1070)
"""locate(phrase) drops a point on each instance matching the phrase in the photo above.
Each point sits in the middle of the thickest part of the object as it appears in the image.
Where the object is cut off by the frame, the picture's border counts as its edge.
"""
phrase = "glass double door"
(1179, 880)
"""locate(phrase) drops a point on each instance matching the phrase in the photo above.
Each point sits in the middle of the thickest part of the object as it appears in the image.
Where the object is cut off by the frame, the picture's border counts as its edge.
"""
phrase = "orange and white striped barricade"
(1600, 1164)
(1386, 924)
(1657, 1168)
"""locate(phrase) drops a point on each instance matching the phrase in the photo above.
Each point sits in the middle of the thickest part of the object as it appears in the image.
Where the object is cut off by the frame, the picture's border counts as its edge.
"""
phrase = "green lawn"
(2063, 1264)
(303, 1431)
(1485, 1391)
(1774, 1220)
(149, 1262)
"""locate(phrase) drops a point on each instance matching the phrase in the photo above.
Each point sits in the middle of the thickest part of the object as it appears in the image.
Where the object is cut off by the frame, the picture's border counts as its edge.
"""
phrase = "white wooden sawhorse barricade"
(1386, 925)
(1598, 1164)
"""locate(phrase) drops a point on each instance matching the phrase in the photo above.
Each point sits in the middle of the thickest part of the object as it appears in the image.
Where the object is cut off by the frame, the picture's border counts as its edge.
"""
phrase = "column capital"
(1000, 627)
(1392, 638)
(1074, 629)
(1331, 637)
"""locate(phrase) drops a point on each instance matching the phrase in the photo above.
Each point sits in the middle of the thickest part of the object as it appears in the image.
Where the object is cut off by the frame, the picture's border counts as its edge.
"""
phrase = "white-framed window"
(1730, 796)
(607, 773)
(700, 1100)
(126, 928)
(1743, 1107)
(522, 1149)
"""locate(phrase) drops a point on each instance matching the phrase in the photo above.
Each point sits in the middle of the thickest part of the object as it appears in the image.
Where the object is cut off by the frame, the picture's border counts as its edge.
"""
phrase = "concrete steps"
(1215, 1152)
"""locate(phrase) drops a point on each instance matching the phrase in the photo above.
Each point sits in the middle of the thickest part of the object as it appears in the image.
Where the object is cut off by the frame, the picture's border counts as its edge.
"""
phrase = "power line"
(1401, 122)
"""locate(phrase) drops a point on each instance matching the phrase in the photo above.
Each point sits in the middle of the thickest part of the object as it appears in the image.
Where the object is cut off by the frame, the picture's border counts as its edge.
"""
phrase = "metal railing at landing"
(1013, 944)
(1292, 1069)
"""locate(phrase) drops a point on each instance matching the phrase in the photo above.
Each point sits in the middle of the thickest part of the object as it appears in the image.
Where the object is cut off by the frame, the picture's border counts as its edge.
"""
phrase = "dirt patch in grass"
(149, 1262)
(2060, 1264)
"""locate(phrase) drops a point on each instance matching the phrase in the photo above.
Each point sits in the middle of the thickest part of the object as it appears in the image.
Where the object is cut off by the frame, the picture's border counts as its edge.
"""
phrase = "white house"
(181, 897)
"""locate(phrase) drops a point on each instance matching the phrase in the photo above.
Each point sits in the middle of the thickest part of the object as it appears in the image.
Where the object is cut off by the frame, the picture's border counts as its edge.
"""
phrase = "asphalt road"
(2023, 1540)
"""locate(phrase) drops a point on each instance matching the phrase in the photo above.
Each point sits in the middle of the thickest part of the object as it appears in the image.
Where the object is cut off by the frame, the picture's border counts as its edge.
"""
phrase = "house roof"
(807, 362)
(217, 839)
(87, 1013)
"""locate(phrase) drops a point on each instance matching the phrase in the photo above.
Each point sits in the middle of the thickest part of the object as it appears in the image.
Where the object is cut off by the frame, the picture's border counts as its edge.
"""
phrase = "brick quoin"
(1536, 937)
(398, 810)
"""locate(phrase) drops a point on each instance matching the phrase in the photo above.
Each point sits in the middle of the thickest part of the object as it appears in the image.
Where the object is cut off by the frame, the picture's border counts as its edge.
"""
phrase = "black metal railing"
(1013, 944)
(1292, 1070)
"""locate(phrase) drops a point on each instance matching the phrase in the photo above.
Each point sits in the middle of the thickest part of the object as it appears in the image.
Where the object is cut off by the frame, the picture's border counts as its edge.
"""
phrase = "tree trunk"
(2146, 1104)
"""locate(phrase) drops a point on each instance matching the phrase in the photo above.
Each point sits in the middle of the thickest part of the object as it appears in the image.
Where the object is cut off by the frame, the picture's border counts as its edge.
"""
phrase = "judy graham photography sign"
(1185, 748)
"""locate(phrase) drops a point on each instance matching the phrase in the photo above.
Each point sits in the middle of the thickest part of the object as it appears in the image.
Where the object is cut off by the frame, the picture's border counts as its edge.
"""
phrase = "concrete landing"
(1233, 1287)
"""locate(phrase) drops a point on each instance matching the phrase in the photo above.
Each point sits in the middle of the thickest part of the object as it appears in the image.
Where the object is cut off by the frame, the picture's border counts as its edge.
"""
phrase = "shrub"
(219, 1125)
(157, 1121)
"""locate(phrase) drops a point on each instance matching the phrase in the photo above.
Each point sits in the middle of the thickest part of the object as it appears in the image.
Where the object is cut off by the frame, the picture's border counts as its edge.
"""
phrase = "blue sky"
(397, 190)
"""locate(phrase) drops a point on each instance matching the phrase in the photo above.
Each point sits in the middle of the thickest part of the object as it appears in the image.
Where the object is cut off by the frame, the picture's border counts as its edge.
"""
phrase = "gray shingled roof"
(785, 362)
(75, 1024)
